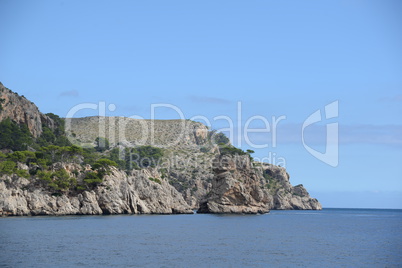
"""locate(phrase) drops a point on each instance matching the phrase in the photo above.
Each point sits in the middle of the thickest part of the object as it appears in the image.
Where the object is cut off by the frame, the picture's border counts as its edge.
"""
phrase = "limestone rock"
(240, 187)
(235, 188)
(286, 196)
(22, 111)
(136, 193)
(119, 193)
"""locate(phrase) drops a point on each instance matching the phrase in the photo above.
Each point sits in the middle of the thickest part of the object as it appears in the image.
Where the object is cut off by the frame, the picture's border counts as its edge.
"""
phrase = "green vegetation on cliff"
(55, 136)
(13, 136)
(25, 156)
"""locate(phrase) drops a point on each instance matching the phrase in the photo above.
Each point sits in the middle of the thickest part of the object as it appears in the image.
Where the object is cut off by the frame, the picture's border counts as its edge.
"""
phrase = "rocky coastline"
(182, 166)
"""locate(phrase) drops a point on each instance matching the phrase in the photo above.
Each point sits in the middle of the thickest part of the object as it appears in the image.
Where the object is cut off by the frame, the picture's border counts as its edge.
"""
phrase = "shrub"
(102, 144)
(22, 156)
(22, 173)
(90, 156)
(117, 155)
(7, 167)
(218, 138)
(155, 180)
(44, 176)
(230, 150)
(42, 162)
(14, 136)
(59, 180)
(62, 179)
(92, 178)
(104, 163)
(204, 149)
(143, 156)
(55, 136)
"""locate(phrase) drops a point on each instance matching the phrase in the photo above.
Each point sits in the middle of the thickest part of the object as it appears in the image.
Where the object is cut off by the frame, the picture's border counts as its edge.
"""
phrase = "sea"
(327, 238)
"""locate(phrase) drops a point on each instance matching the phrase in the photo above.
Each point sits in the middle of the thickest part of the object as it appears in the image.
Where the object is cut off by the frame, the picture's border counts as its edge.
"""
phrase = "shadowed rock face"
(238, 187)
(22, 111)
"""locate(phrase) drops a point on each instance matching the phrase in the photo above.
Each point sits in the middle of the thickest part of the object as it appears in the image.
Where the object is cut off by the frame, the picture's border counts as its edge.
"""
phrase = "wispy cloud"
(390, 135)
(70, 93)
(374, 134)
(396, 98)
(204, 99)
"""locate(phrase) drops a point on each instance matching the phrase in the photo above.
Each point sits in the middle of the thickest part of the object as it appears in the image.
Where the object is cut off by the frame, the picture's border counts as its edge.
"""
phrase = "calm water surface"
(328, 238)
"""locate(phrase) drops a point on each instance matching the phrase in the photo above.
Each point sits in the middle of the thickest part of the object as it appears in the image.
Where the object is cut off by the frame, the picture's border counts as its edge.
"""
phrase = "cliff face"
(286, 196)
(194, 174)
(22, 111)
(119, 193)
(236, 188)
(239, 187)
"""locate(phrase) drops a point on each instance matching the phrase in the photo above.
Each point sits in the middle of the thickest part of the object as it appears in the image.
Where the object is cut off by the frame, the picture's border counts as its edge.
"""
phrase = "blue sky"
(278, 58)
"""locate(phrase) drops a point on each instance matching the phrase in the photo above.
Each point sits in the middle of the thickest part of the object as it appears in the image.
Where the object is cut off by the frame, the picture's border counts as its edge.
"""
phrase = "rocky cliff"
(236, 188)
(286, 196)
(193, 173)
(239, 187)
(119, 193)
(22, 111)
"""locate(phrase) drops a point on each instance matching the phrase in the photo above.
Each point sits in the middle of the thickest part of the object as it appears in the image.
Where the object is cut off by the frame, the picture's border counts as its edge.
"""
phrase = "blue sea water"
(327, 238)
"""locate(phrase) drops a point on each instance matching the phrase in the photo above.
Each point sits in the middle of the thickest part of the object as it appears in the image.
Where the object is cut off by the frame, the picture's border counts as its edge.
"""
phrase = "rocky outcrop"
(136, 193)
(22, 111)
(286, 196)
(194, 174)
(236, 188)
(239, 187)
(119, 193)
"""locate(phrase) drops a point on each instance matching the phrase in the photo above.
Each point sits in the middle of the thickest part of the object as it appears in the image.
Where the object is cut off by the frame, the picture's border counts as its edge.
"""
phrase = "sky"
(255, 62)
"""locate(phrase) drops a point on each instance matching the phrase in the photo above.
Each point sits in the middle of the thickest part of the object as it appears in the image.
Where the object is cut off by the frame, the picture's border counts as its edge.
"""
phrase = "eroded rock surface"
(119, 193)
(238, 187)
(22, 111)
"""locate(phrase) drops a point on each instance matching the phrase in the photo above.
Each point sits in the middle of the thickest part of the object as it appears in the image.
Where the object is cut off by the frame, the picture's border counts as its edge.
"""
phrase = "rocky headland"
(148, 166)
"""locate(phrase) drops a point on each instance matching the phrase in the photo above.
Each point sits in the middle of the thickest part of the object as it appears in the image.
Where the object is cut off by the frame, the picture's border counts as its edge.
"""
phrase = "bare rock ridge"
(131, 132)
(22, 111)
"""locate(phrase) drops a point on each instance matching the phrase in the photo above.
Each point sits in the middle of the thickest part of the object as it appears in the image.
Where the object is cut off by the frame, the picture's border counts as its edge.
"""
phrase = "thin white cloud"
(70, 93)
(390, 135)
(396, 98)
